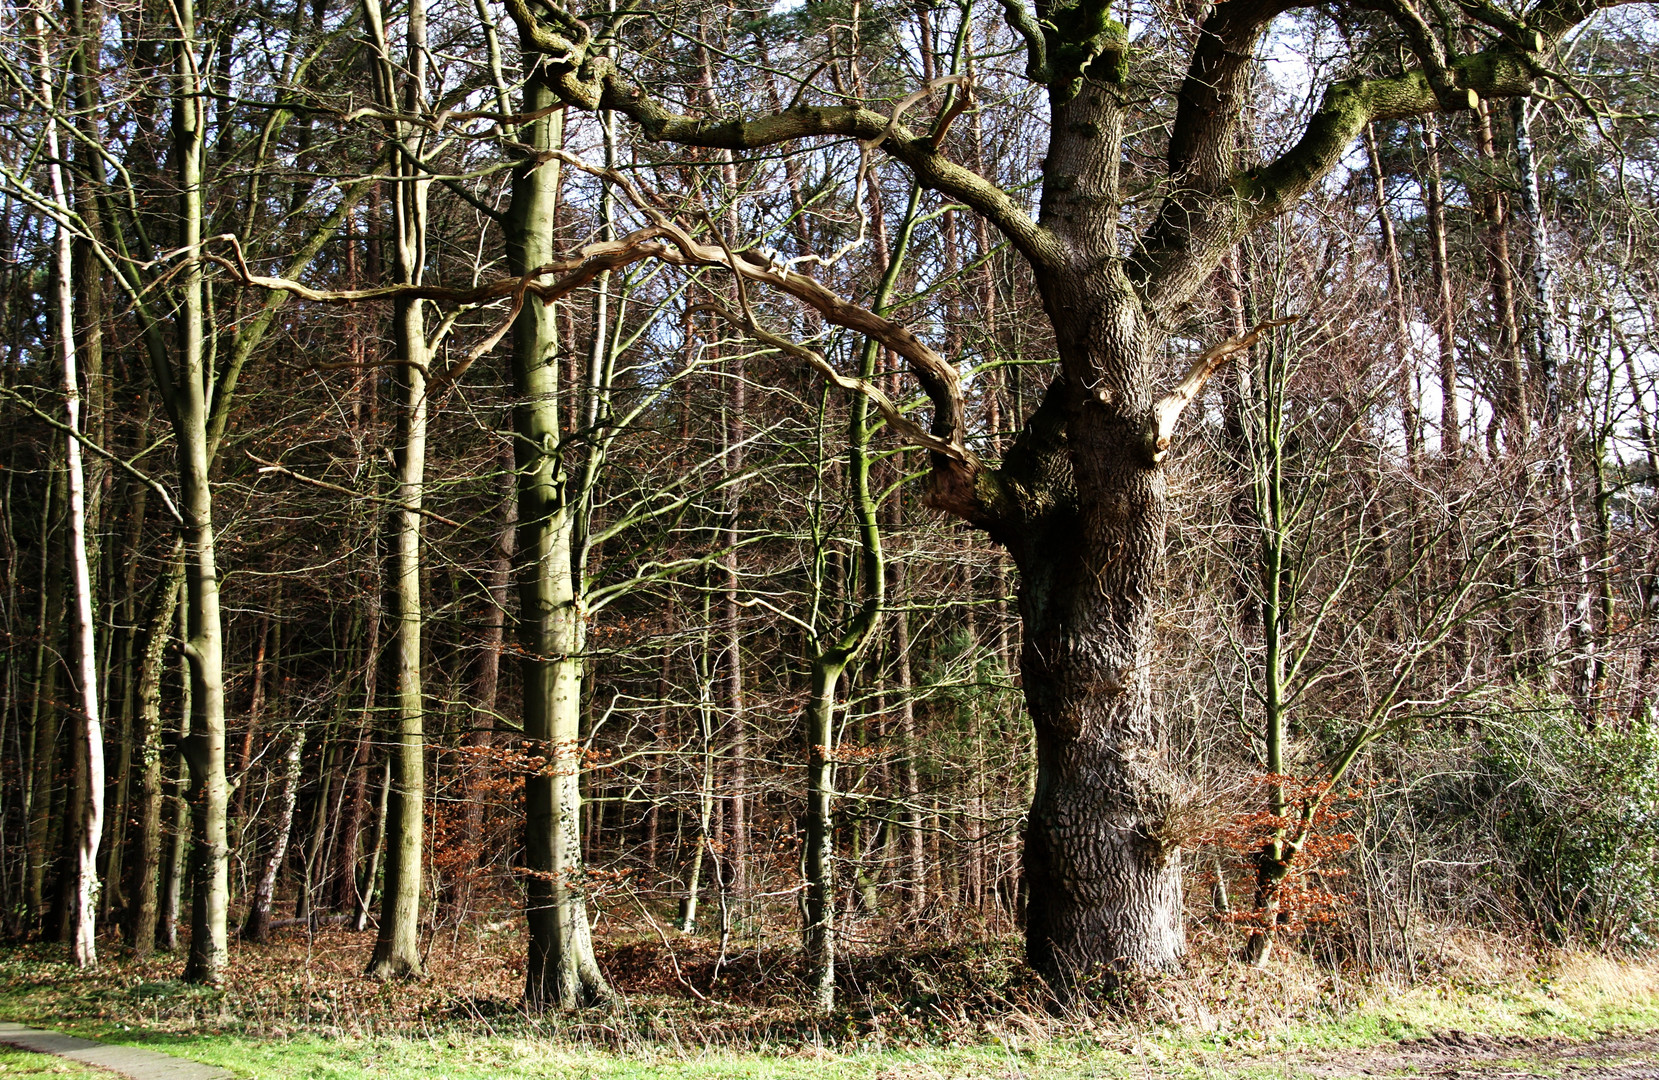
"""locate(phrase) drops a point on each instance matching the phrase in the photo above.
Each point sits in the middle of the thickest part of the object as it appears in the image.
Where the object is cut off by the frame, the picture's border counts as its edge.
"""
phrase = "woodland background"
(1418, 522)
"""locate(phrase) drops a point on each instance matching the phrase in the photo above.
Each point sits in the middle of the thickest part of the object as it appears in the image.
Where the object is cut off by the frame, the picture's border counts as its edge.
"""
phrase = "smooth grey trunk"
(368, 880)
(1579, 602)
(818, 855)
(397, 946)
(562, 971)
(1451, 427)
(188, 406)
(702, 666)
(175, 865)
(89, 730)
(1409, 414)
(915, 837)
(41, 757)
(1517, 413)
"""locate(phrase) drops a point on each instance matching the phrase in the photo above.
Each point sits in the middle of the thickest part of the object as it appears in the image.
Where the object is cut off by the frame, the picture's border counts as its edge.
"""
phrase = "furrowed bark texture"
(1088, 537)
(152, 791)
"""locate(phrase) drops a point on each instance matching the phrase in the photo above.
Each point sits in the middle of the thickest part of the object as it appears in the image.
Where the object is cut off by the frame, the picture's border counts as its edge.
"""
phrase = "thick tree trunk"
(1101, 862)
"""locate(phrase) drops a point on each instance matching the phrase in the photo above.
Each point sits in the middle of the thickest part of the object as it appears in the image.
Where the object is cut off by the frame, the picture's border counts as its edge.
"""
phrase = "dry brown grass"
(312, 983)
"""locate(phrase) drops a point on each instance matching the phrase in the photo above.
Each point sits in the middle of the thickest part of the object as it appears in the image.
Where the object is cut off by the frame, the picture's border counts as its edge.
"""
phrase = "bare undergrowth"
(312, 984)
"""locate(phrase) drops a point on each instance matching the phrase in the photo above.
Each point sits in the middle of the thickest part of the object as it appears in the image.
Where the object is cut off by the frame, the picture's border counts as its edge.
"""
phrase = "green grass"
(22, 1063)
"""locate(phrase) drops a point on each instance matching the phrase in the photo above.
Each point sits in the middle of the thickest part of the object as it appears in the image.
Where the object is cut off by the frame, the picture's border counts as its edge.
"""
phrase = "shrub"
(1577, 812)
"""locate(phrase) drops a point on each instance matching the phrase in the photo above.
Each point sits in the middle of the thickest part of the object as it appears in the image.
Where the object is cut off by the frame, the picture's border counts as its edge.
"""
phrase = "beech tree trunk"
(397, 945)
(204, 747)
(562, 971)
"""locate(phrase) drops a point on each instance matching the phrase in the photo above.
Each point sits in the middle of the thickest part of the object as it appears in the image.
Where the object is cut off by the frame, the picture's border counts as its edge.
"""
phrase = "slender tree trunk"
(256, 708)
(915, 837)
(89, 753)
(1494, 208)
(1575, 561)
(562, 970)
(316, 849)
(397, 948)
(1409, 415)
(482, 736)
(204, 747)
(371, 870)
(819, 851)
(174, 867)
(703, 671)
(1268, 481)
(1451, 427)
(41, 761)
(146, 874)
(257, 926)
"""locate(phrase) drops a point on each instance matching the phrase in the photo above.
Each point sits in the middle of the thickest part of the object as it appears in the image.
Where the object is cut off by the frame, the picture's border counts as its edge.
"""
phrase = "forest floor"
(1477, 1008)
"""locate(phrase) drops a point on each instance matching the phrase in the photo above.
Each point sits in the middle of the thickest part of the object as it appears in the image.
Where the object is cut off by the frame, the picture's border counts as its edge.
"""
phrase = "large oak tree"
(1080, 500)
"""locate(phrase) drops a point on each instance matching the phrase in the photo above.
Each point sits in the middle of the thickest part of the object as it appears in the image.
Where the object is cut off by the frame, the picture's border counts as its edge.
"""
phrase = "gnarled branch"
(1205, 364)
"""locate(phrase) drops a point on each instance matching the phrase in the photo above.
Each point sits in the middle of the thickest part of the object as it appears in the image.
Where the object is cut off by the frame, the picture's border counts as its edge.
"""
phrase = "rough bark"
(1102, 864)
(146, 875)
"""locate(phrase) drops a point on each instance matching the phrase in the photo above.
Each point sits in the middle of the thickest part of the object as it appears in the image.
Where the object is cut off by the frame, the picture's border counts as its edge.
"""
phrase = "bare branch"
(283, 470)
(907, 429)
(1204, 365)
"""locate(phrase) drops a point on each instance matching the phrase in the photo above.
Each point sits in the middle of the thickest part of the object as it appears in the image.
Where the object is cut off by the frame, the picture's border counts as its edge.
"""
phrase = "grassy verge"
(299, 1009)
(19, 1063)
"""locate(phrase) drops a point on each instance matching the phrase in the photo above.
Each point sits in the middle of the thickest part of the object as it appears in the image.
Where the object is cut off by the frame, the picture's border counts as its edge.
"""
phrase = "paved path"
(129, 1061)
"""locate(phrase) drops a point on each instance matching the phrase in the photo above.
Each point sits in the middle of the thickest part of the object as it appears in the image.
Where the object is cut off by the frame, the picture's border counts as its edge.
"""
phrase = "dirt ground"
(1456, 1054)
